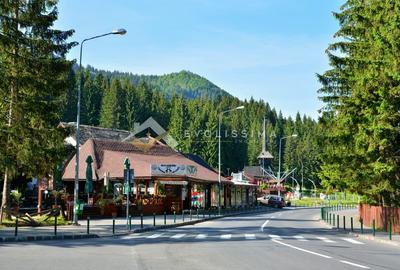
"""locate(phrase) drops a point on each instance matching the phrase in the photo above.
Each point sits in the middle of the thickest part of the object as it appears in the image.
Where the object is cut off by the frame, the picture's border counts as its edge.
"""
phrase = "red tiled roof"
(109, 158)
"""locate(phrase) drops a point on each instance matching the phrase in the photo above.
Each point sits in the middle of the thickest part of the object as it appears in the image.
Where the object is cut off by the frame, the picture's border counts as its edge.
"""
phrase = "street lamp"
(76, 188)
(219, 153)
(279, 166)
(297, 182)
(302, 177)
(315, 187)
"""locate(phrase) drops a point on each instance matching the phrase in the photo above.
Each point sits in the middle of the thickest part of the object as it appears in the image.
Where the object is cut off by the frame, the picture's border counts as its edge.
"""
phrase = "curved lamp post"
(279, 165)
(219, 153)
(76, 188)
(315, 187)
(297, 182)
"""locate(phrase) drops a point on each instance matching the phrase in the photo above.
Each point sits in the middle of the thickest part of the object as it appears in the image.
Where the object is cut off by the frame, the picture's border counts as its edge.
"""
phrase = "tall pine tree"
(34, 75)
(362, 96)
(178, 122)
(130, 105)
(113, 109)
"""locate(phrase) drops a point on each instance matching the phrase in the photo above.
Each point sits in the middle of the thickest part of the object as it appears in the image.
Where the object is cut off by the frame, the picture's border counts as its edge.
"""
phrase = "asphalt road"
(285, 239)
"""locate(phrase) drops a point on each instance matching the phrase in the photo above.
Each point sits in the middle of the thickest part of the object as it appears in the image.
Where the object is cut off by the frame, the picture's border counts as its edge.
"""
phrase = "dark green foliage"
(185, 83)
(70, 98)
(130, 105)
(209, 151)
(113, 109)
(92, 98)
(178, 122)
(33, 81)
(253, 142)
(144, 106)
(361, 92)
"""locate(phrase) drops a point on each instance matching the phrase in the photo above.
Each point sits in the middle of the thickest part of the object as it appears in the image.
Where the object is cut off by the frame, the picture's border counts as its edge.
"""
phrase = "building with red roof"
(164, 179)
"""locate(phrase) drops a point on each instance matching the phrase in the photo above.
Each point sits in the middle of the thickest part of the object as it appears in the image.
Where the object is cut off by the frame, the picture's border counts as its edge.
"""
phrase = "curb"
(30, 238)
(362, 236)
(372, 238)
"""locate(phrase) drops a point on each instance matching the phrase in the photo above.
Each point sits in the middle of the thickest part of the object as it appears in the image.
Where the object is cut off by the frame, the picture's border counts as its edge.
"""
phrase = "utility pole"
(128, 177)
(219, 153)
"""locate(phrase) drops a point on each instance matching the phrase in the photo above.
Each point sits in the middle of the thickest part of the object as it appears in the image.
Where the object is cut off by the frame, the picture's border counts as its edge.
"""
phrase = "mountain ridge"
(186, 83)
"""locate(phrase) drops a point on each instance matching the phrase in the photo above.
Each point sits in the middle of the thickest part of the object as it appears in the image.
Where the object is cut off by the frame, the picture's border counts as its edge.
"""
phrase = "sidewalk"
(366, 233)
(104, 227)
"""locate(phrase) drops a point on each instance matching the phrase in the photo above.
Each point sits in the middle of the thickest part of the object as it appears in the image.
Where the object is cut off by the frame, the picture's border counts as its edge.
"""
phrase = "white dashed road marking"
(250, 236)
(154, 236)
(302, 249)
(300, 238)
(274, 236)
(326, 240)
(353, 241)
(201, 236)
(226, 236)
(355, 264)
(178, 236)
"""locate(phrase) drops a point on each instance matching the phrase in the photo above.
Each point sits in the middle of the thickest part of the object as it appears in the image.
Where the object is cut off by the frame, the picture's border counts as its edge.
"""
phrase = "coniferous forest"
(188, 105)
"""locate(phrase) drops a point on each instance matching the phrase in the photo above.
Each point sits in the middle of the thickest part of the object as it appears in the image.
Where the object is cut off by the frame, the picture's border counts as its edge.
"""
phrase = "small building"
(244, 190)
(256, 174)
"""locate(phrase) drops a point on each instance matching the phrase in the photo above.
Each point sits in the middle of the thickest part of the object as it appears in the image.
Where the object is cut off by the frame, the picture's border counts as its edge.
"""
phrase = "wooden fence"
(381, 215)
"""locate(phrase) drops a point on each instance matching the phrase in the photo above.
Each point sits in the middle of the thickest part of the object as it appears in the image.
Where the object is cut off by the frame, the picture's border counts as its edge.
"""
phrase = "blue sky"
(266, 49)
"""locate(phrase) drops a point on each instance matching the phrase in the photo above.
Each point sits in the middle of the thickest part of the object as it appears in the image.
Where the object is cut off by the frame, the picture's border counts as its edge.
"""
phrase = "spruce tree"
(34, 77)
(192, 142)
(92, 97)
(113, 109)
(130, 105)
(160, 107)
(361, 93)
(178, 121)
(144, 96)
(210, 138)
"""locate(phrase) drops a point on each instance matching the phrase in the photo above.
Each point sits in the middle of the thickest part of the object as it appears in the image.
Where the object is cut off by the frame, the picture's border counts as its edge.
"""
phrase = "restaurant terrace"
(165, 180)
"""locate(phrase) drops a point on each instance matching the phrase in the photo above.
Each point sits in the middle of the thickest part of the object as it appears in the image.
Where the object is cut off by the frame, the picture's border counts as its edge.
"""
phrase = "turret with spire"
(265, 156)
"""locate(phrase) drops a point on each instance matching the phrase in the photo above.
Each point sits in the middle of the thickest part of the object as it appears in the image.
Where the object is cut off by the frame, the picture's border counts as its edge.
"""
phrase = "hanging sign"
(180, 183)
(173, 169)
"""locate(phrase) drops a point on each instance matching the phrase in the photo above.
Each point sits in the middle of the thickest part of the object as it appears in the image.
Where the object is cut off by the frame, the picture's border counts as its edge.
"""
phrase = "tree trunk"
(5, 202)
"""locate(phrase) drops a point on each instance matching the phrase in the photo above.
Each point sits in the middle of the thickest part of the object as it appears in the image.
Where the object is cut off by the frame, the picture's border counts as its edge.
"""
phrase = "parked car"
(275, 201)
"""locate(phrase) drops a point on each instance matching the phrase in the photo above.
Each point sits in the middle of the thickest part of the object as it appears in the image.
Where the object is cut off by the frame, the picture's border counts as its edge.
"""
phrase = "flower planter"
(111, 210)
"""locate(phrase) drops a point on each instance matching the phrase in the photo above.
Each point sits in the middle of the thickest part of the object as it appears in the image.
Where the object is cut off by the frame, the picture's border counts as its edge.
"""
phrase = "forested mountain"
(114, 101)
(185, 83)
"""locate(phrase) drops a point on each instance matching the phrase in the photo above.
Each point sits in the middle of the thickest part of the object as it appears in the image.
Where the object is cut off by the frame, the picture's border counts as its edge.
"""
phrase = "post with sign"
(128, 178)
